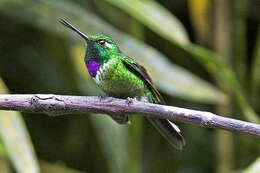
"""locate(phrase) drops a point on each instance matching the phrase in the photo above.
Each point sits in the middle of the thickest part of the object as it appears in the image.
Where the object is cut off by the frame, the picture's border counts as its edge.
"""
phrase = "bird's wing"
(167, 129)
(141, 72)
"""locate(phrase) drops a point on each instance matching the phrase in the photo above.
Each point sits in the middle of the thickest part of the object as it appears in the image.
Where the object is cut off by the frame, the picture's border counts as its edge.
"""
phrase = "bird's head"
(99, 47)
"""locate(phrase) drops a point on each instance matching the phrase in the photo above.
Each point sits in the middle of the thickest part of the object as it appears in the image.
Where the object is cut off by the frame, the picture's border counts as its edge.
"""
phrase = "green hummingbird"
(121, 76)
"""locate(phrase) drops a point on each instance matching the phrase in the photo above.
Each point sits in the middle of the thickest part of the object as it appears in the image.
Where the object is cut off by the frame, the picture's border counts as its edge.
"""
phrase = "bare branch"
(60, 104)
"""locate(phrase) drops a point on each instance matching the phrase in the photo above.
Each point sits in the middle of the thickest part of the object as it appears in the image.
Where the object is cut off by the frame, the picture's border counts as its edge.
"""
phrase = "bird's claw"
(104, 98)
(101, 98)
(130, 100)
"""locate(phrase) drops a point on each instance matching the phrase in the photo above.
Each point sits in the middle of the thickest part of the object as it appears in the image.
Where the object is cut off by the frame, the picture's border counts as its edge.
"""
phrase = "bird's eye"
(101, 42)
(104, 43)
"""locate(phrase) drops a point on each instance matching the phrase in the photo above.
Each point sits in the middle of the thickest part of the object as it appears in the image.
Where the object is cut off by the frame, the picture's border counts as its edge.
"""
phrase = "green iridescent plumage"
(120, 76)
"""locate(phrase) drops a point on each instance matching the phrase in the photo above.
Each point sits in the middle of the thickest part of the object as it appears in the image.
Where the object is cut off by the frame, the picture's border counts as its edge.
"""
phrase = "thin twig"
(60, 104)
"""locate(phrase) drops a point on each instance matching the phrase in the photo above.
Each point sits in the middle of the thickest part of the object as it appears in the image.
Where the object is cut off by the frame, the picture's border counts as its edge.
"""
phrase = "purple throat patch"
(93, 67)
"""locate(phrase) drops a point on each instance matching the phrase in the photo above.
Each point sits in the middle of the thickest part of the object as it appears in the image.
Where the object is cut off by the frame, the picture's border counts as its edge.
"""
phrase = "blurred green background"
(201, 54)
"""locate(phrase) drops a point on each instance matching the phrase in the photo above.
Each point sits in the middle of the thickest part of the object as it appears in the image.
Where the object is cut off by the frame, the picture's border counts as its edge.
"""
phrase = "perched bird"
(121, 76)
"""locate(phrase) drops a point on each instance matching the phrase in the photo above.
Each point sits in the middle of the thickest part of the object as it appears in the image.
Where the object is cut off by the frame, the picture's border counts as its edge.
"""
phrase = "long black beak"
(67, 24)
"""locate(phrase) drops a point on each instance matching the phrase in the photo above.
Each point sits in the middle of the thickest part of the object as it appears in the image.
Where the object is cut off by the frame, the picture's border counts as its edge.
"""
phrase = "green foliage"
(39, 55)
(254, 167)
(16, 140)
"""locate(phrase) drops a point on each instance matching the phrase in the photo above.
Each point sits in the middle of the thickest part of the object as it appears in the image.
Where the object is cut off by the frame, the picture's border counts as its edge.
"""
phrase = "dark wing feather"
(141, 72)
(167, 129)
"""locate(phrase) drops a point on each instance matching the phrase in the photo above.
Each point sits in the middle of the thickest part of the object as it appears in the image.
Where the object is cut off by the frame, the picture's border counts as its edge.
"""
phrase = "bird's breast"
(117, 81)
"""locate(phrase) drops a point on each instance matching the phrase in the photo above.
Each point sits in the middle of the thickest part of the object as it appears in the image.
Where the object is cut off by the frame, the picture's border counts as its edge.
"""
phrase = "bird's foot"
(104, 98)
(101, 98)
(130, 100)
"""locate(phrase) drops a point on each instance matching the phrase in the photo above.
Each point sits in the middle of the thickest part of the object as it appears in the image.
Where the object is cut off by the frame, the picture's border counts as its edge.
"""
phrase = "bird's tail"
(167, 129)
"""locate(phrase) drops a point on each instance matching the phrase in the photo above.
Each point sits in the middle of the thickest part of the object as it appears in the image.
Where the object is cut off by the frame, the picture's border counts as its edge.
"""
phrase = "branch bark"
(55, 105)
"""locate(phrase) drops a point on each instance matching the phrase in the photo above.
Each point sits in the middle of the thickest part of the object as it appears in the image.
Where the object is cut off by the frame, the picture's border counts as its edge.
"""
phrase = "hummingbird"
(122, 77)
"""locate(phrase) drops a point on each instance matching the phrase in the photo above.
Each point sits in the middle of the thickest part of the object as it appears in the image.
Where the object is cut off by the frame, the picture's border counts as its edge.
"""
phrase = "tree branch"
(58, 104)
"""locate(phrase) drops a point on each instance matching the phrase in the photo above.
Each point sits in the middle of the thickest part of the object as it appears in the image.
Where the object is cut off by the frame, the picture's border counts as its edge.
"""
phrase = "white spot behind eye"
(108, 45)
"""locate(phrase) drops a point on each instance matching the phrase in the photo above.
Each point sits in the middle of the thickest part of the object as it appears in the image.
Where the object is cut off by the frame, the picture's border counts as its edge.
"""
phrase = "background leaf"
(254, 167)
(14, 132)
(155, 17)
